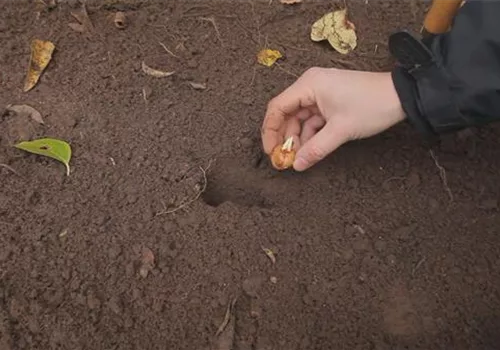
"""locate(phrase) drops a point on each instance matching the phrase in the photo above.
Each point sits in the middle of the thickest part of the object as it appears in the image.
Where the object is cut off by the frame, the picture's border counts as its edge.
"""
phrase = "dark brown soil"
(372, 252)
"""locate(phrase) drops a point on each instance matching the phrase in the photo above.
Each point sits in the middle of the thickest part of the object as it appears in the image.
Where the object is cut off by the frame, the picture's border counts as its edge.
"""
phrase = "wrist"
(394, 101)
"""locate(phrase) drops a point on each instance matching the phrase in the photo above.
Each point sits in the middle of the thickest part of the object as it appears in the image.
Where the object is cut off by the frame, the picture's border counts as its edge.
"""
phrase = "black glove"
(455, 82)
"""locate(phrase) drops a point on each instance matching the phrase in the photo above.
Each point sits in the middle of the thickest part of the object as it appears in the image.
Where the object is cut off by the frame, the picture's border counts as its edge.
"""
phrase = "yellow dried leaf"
(41, 54)
(290, 2)
(337, 29)
(268, 57)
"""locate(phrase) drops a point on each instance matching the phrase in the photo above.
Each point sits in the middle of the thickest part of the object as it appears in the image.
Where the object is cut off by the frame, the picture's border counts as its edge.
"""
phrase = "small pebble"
(391, 259)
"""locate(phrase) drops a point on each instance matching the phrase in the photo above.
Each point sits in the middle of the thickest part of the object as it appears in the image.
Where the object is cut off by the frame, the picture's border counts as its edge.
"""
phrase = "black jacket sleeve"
(461, 87)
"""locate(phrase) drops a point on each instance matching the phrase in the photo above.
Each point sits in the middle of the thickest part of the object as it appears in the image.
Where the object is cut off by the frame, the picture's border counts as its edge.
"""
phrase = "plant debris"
(147, 262)
(197, 86)
(227, 316)
(199, 190)
(77, 27)
(83, 19)
(270, 254)
(225, 333)
(52, 4)
(26, 111)
(268, 57)
(155, 72)
(290, 2)
(120, 20)
(52, 148)
(283, 156)
(9, 168)
(41, 54)
(337, 29)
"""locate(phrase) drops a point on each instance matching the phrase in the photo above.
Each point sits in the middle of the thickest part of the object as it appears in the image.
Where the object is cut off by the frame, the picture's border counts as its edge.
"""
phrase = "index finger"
(287, 104)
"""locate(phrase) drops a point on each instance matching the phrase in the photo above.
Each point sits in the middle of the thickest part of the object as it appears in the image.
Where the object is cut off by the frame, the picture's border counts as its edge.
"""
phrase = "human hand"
(327, 107)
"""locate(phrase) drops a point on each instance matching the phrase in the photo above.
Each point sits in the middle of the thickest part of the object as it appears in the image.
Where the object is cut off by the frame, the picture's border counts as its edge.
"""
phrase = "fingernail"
(300, 164)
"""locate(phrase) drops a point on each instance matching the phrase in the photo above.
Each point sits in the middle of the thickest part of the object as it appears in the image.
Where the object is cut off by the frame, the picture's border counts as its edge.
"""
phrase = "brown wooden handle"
(440, 15)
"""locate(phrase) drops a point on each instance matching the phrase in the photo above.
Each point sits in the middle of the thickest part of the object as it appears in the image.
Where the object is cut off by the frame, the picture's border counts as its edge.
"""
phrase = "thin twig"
(253, 76)
(292, 47)
(247, 31)
(393, 179)
(257, 23)
(417, 266)
(227, 317)
(166, 49)
(212, 20)
(442, 174)
(144, 96)
(195, 198)
(285, 70)
(8, 167)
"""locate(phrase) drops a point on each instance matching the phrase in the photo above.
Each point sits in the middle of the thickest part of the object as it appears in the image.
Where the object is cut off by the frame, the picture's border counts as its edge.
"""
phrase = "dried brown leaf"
(26, 111)
(155, 72)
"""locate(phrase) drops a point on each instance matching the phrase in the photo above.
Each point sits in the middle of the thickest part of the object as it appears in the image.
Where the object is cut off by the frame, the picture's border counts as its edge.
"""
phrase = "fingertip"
(300, 164)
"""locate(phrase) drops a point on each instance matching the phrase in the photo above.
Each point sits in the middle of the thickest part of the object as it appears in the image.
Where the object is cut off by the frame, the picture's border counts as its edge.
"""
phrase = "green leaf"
(56, 149)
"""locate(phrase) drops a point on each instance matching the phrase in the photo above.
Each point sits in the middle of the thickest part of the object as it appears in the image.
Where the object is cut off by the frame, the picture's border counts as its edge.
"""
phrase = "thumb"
(327, 140)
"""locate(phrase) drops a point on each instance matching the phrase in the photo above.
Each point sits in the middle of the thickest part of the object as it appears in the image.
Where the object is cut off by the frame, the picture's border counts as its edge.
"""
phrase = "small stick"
(212, 20)
(292, 47)
(253, 76)
(144, 96)
(9, 168)
(257, 23)
(195, 198)
(166, 49)
(442, 174)
(286, 71)
(417, 266)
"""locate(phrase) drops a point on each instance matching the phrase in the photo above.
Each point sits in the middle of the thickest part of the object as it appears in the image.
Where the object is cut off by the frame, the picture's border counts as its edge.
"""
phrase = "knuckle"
(271, 104)
(313, 72)
(274, 105)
